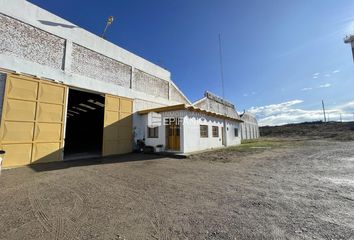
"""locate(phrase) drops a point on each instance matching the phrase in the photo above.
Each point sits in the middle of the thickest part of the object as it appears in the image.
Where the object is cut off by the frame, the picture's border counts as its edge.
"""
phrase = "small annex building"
(184, 128)
(66, 93)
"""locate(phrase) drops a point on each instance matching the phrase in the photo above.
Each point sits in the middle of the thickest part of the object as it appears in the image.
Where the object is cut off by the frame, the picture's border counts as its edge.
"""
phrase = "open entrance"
(84, 127)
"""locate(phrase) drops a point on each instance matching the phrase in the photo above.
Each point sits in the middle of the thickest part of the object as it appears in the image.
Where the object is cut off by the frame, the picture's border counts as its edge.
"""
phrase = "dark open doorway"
(84, 127)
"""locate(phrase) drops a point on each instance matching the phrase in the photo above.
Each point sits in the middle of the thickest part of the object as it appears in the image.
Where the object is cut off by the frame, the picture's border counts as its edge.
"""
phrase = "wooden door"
(173, 136)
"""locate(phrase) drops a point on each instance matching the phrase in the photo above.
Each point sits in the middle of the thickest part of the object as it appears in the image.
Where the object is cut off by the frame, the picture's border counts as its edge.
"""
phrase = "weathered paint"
(91, 64)
(22, 40)
(144, 82)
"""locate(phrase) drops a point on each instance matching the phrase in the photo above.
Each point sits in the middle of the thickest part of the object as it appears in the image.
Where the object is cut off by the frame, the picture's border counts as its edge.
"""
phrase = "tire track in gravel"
(56, 226)
(59, 229)
(37, 208)
(141, 199)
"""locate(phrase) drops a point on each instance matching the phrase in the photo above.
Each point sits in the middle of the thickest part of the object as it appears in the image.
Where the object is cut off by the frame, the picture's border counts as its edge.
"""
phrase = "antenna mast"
(324, 111)
(224, 140)
(221, 68)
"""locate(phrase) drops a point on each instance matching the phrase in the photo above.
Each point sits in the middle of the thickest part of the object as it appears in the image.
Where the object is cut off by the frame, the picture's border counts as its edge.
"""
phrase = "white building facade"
(186, 129)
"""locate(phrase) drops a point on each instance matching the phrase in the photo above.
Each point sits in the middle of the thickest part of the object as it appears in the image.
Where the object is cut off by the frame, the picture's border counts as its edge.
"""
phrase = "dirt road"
(301, 191)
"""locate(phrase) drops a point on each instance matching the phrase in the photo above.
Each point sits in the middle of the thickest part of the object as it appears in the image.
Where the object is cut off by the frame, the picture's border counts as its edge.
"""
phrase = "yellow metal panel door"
(32, 121)
(48, 133)
(117, 132)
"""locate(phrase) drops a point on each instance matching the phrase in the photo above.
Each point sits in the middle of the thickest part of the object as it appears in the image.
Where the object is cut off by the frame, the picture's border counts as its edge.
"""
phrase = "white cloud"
(315, 77)
(316, 74)
(336, 71)
(307, 89)
(286, 112)
(249, 94)
(326, 85)
(327, 75)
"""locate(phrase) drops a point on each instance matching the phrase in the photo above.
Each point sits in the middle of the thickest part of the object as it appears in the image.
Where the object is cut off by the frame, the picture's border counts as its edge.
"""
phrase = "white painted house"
(188, 129)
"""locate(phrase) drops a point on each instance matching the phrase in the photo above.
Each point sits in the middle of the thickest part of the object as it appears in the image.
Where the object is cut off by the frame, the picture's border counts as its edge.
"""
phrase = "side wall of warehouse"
(249, 127)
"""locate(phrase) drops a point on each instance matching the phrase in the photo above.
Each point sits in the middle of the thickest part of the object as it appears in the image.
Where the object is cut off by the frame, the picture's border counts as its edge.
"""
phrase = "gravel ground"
(301, 191)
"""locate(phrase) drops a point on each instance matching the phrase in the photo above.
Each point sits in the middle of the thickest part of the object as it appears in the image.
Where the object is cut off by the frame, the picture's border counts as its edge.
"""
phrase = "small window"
(203, 131)
(153, 132)
(215, 131)
(236, 132)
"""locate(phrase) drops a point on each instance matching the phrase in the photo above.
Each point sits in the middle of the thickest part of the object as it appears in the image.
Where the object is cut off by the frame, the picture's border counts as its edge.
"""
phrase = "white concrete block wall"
(176, 95)
(39, 18)
(149, 84)
(36, 42)
(91, 64)
(25, 41)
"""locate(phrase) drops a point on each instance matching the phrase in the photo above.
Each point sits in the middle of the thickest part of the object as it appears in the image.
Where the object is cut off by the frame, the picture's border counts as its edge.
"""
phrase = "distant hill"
(335, 130)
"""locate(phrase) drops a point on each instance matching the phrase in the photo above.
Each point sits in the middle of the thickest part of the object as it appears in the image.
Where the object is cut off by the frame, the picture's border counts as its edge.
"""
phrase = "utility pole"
(340, 117)
(109, 22)
(324, 111)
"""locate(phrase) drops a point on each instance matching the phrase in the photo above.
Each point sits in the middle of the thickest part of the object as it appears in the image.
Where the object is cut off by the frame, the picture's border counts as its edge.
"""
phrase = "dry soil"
(297, 190)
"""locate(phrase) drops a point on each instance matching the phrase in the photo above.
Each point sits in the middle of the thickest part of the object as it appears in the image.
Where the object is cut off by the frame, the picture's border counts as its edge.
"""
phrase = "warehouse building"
(249, 127)
(66, 93)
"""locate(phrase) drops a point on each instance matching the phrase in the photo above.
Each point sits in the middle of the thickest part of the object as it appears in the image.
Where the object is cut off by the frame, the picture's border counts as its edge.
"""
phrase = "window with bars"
(153, 132)
(203, 131)
(215, 131)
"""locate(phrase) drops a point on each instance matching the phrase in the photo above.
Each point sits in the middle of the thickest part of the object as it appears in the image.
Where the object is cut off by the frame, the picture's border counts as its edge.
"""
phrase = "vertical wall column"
(169, 90)
(67, 56)
(132, 78)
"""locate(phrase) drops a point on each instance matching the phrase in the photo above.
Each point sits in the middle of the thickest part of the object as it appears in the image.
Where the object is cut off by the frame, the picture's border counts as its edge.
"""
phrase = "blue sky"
(281, 58)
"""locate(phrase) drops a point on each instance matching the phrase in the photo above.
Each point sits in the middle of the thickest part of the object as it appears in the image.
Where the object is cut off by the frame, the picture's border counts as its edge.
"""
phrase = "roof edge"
(188, 108)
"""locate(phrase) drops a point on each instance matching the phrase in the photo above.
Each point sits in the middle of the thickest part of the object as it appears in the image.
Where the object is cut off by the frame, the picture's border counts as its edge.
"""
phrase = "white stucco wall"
(161, 140)
(190, 131)
(193, 141)
(232, 140)
(152, 141)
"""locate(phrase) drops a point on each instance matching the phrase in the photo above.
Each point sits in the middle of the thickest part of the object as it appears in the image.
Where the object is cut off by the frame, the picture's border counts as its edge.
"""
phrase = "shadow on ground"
(132, 157)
